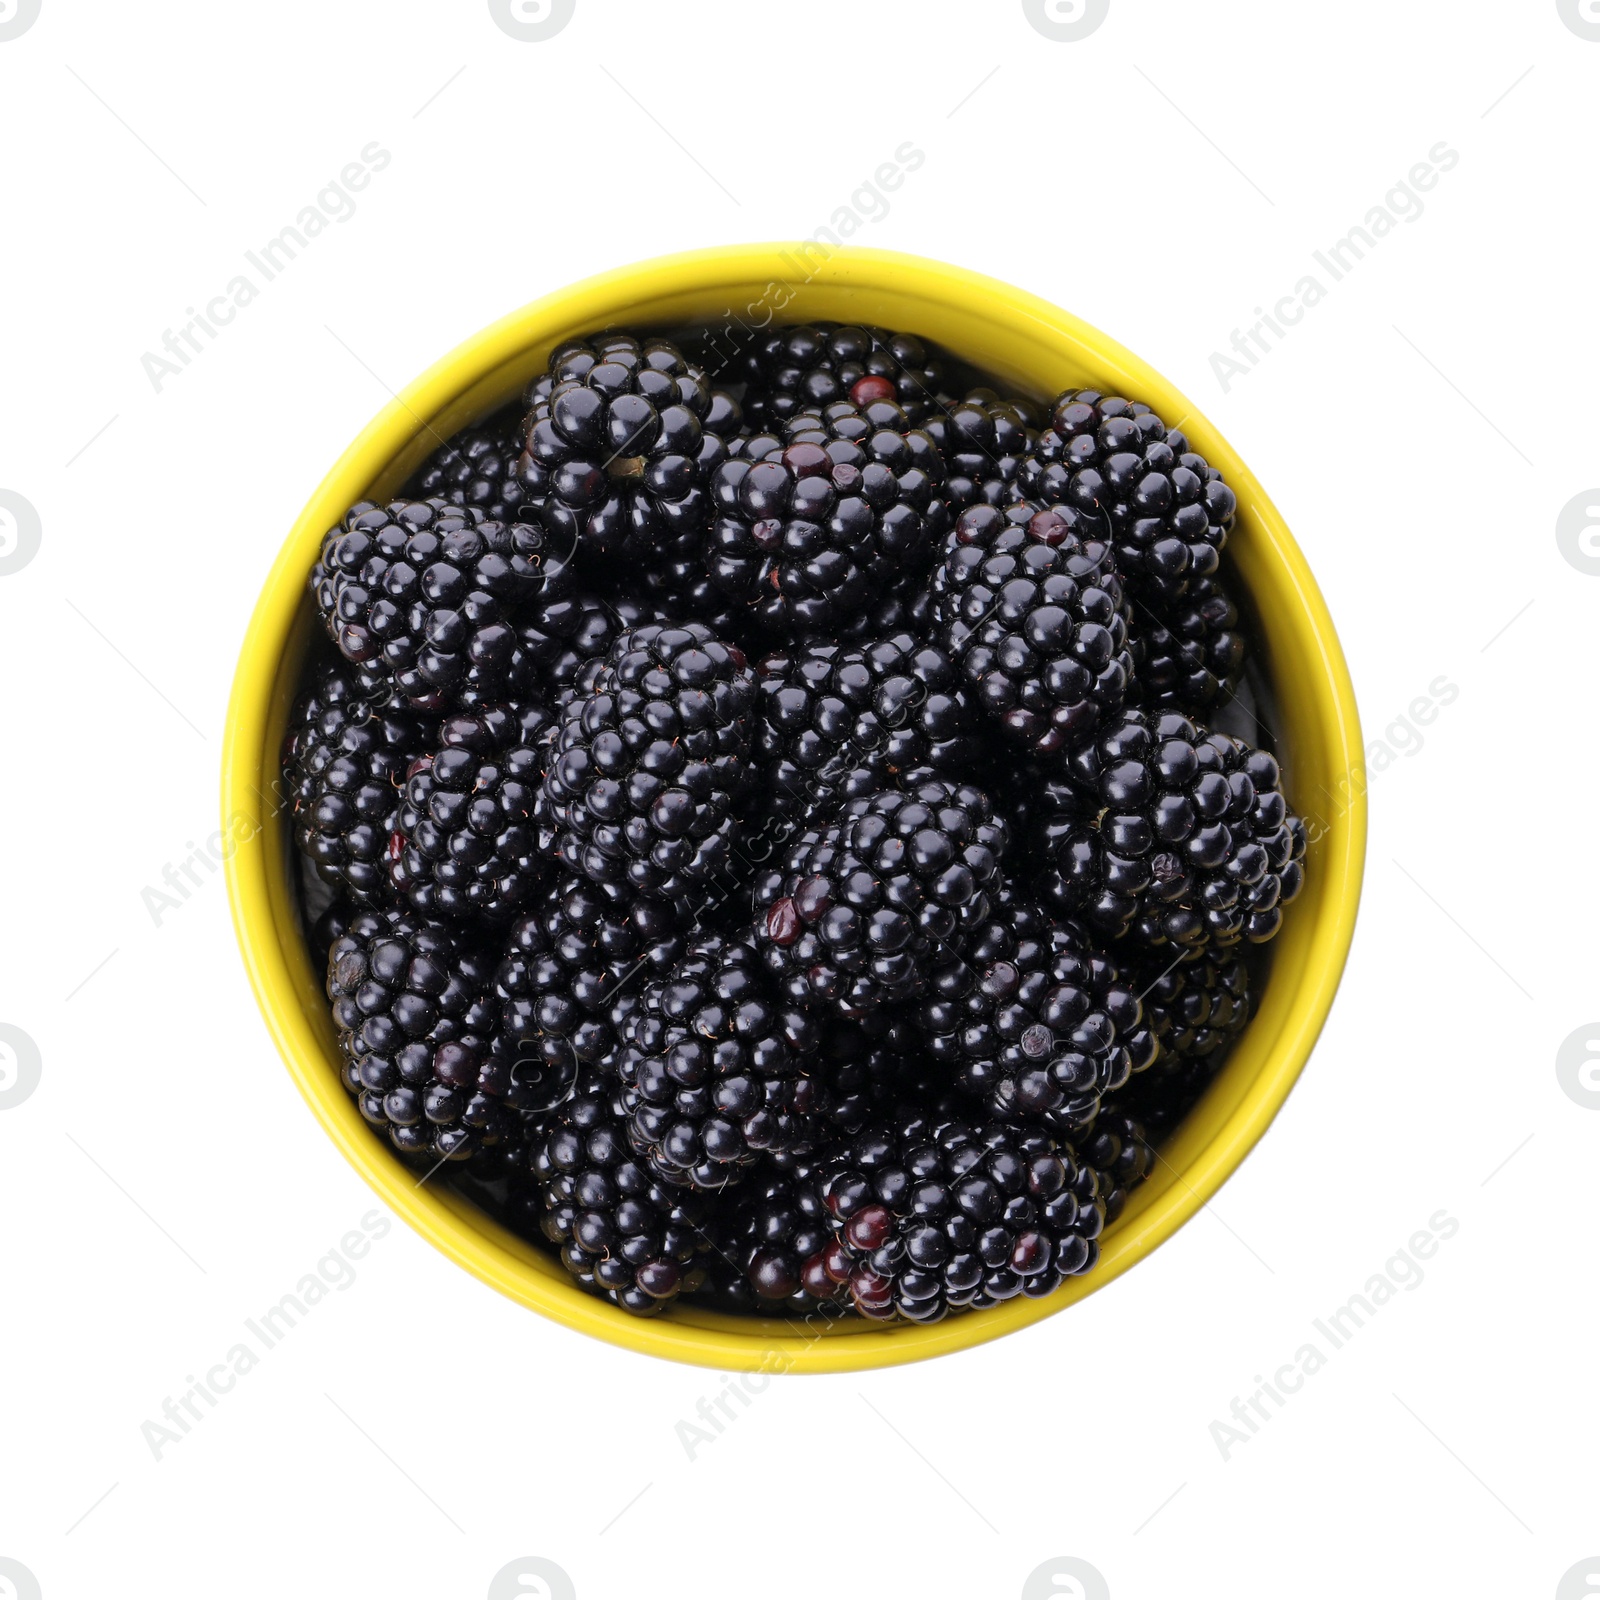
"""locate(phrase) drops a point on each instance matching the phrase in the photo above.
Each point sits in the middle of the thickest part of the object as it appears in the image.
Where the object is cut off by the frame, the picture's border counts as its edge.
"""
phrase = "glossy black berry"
(811, 365)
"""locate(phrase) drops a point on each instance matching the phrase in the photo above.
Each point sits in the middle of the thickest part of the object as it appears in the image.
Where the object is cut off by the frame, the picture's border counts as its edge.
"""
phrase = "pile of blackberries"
(776, 823)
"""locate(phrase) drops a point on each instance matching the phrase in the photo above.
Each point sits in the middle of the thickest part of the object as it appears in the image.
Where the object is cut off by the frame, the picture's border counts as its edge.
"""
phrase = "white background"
(1421, 430)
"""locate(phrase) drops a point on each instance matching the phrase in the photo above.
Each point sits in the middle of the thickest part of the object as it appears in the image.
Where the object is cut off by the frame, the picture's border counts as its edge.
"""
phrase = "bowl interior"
(1022, 342)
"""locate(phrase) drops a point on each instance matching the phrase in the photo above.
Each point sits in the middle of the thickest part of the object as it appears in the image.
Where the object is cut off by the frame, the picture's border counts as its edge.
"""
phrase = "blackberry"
(564, 966)
(814, 364)
(1187, 655)
(1176, 834)
(875, 711)
(1121, 1153)
(867, 902)
(984, 441)
(343, 761)
(477, 468)
(1027, 601)
(1196, 1006)
(713, 1069)
(762, 1235)
(808, 535)
(1037, 1023)
(416, 1025)
(465, 843)
(645, 768)
(1161, 1099)
(425, 592)
(621, 437)
(906, 607)
(933, 1216)
(619, 1231)
(566, 635)
(1166, 511)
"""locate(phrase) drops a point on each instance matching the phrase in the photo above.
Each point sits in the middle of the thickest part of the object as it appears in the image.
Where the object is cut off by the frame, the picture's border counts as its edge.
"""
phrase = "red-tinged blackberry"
(565, 965)
(427, 593)
(619, 443)
(1196, 1006)
(934, 1216)
(868, 901)
(875, 710)
(643, 774)
(809, 535)
(416, 1024)
(984, 441)
(343, 761)
(814, 364)
(478, 468)
(1120, 1151)
(1179, 835)
(1169, 513)
(621, 1232)
(1036, 1022)
(465, 842)
(1027, 602)
(1187, 654)
(714, 1070)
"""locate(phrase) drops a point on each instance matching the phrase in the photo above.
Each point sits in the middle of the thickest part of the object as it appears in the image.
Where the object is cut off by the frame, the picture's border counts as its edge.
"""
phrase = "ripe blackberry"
(984, 441)
(1121, 1153)
(1187, 655)
(762, 1234)
(1036, 1022)
(477, 468)
(1027, 601)
(465, 843)
(621, 438)
(935, 1216)
(867, 901)
(1180, 835)
(343, 760)
(875, 710)
(565, 965)
(644, 769)
(713, 1069)
(620, 1232)
(1167, 512)
(1196, 1006)
(808, 535)
(416, 1024)
(426, 593)
(814, 364)
(906, 607)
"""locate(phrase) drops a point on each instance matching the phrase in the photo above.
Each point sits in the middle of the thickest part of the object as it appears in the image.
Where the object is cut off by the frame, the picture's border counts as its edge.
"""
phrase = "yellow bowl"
(1022, 341)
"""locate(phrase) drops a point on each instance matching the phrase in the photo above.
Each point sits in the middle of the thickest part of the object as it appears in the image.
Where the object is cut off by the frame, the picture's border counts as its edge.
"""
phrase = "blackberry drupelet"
(984, 441)
(1120, 1151)
(645, 768)
(477, 468)
(343, 761)
(621, 438)
(1196, 1006)
(465, 843)
(1036, 1022)
(1188, 654)
(869, 901)
(426, 593)
(416, 1025)
(714, 1070)
(619, 1231)
(1027, 601)
(933, 1216)
(810, 534)
(1179, 835)
(815, 364)
(564, 966)
(1166, 511)
(870, 713)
